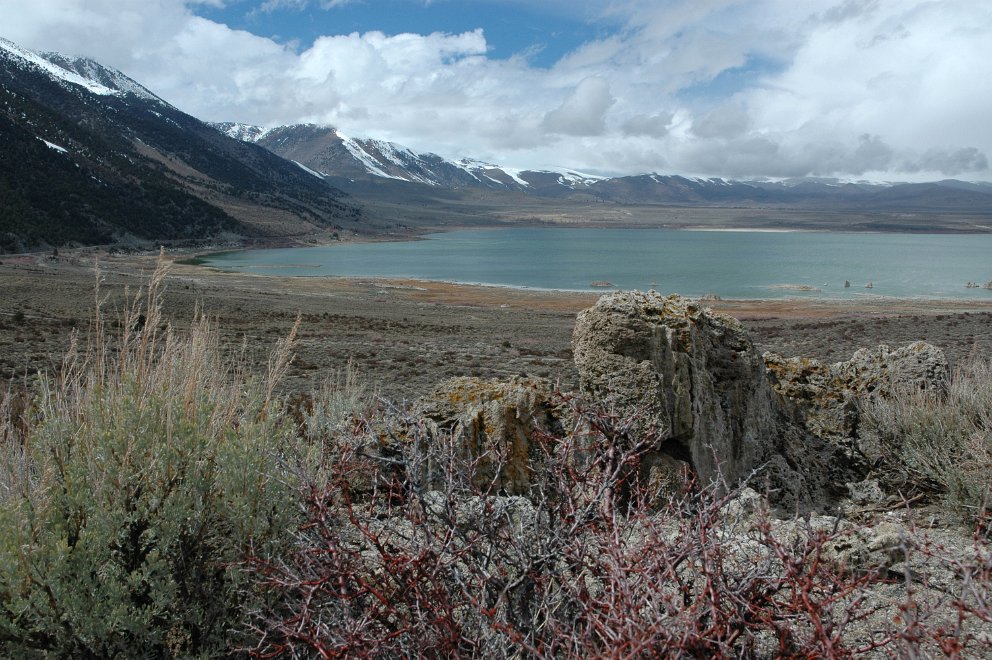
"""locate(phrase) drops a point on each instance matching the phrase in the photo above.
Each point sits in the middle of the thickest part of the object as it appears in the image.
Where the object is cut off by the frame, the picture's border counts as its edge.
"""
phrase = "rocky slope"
(90, 156)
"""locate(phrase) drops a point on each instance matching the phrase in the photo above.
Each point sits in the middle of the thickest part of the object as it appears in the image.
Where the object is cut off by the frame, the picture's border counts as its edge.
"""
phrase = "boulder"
(818, 395)
(492, 424)
(919, 367)
(829, 397)
(691, 380)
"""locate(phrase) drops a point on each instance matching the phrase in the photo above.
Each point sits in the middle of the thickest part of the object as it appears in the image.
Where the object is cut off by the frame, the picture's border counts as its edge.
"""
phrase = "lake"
(730, 264)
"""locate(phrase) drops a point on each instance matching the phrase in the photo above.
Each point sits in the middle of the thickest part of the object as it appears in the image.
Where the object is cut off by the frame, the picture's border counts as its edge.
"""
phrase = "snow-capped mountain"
(92, 76)
(326, 150)
(89, 156)
(356, 160)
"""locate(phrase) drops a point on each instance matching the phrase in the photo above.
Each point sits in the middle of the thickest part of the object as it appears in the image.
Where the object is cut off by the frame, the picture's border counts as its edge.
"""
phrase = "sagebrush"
(941, 441)
(143, 472)
(158, 500)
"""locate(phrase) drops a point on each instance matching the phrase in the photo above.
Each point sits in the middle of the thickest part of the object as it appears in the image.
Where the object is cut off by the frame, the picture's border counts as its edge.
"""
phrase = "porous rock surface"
(493, 422)
(690, 382)
(829, 397)
(694, 379)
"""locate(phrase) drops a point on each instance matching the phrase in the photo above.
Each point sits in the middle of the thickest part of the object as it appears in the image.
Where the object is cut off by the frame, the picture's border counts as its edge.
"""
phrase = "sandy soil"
(407, 335)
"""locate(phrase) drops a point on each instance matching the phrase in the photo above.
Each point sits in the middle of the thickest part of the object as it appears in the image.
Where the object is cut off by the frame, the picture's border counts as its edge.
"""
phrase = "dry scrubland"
(163, 489)
(407, 336)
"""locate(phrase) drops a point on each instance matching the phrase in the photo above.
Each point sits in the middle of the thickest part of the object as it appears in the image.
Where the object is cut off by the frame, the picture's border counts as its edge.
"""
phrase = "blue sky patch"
(542, 34)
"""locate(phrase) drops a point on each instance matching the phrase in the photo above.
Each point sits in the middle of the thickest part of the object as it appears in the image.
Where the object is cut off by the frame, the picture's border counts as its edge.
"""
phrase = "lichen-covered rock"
(821, 397)
(846, 546)
(865, 492)
(862, 549)
(692, 379)
(492, 423)
(917, 367)
(828, 397)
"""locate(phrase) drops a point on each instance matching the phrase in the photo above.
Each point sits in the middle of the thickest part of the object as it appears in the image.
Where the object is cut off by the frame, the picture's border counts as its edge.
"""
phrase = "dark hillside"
(127, 166)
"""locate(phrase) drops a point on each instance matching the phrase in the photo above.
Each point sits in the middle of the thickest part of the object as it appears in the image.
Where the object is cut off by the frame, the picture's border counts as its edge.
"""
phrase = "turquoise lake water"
(731, 264)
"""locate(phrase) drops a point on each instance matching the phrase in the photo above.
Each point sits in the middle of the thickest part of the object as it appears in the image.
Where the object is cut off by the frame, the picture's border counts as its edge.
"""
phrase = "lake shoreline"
(703, 262)
(406, 336)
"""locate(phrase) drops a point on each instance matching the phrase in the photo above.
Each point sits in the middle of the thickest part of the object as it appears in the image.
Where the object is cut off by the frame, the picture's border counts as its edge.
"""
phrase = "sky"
(881, 90)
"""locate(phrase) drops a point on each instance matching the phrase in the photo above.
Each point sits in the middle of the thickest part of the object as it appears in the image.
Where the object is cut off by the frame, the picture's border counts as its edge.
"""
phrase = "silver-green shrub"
(943, 442)
(151, 465)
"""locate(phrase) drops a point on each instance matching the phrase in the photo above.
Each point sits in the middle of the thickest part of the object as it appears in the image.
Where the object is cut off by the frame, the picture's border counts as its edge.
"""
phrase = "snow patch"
(56, 147)
(103, 75)
(242, 132)
(515, 175)
(477, 167)
(364, 158)
(398, 156)
(572, 178)
(471, 167)
(307, 169)
(54, 70)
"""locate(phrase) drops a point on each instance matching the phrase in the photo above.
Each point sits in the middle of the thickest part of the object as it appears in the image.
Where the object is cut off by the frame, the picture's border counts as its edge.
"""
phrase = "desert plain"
(403, 337)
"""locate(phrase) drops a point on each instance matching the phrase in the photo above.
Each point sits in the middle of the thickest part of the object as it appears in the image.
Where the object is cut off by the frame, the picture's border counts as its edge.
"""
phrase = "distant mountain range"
(90, 156)
(328, 152)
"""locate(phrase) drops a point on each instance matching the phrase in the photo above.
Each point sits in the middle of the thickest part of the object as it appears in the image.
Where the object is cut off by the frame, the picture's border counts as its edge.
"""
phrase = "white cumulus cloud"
(584, 111)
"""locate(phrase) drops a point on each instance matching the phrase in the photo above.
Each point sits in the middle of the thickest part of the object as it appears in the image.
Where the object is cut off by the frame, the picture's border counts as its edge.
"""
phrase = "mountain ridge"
(93, 157)
(329, 152)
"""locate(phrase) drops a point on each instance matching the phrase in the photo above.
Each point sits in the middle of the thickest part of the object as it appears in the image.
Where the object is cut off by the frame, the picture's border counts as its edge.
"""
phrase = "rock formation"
(694, 379)
(690, 383)
(493, 423)
(828, 397)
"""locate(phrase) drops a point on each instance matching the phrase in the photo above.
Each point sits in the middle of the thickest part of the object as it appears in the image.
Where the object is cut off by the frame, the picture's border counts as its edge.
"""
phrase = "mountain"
(326, 150)
(92, 157)
(355, 162)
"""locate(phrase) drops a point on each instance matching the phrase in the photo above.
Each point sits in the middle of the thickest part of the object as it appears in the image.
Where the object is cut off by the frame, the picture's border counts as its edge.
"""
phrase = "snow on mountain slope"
(91, 76)
(308, 170)
(34, 59)
(243, 132)
(373, 165)
(101, 75)
(91, 157)
(363, 161)
(330, 152)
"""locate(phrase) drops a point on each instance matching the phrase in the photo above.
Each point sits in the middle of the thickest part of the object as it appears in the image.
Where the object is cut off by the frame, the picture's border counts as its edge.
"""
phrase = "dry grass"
(142, 475)
(940, 442)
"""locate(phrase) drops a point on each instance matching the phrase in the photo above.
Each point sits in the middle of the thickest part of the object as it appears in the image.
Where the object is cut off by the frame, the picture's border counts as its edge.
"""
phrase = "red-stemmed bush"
(402, 555)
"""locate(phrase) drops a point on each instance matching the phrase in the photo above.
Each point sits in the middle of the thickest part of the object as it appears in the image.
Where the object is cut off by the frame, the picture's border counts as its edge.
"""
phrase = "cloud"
(872, 154)
(270, 6)
(743, 88)
(727, 121)
(655, 126)
(584, 111)
(273, 5)
(848, 10)
(950, 162)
